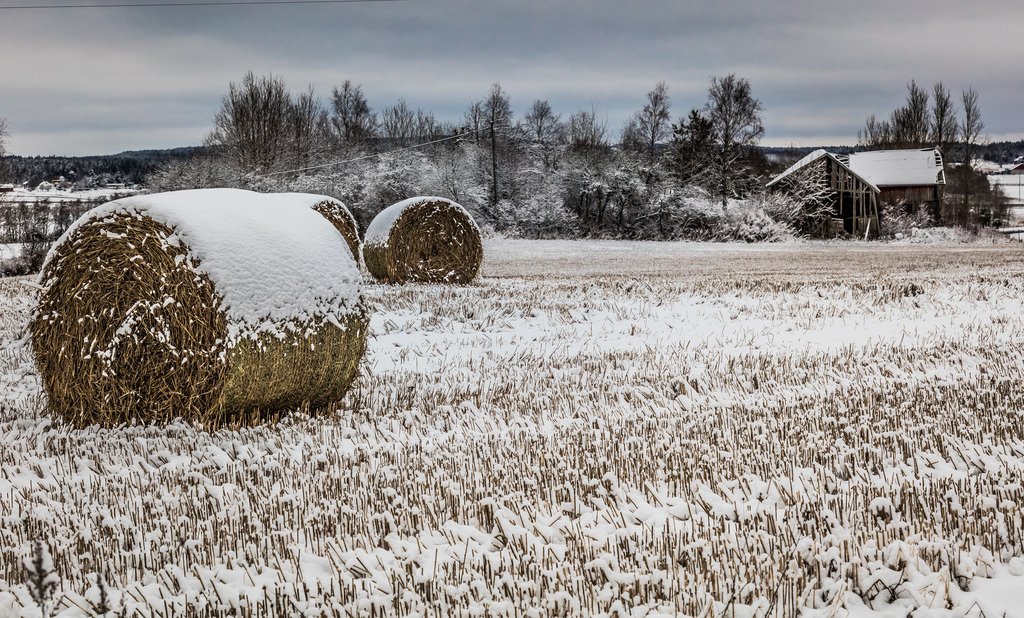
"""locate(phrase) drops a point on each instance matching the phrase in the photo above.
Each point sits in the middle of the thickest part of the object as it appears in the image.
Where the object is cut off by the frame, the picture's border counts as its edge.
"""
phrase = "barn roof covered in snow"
(899, 168)
(814, 156)
(882, 168)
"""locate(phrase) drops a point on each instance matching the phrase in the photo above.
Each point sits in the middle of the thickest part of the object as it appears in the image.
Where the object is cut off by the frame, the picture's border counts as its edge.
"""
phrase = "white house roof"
(889, 168)
(814, 156)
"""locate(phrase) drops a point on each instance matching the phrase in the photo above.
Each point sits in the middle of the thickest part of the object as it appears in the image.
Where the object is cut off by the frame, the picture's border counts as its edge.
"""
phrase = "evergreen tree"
(691, 148)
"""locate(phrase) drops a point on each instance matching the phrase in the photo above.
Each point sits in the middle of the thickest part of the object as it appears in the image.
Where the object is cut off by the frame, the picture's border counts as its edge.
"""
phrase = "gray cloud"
(91, 81)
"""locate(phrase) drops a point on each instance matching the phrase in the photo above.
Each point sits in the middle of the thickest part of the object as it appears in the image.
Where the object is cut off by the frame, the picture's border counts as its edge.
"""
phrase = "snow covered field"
(595, 428)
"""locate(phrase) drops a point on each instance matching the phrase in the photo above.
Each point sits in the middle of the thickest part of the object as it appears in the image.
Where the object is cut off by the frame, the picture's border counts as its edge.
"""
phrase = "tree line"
(698, 174)
(933, 119)
(129, 168)
(539, 174)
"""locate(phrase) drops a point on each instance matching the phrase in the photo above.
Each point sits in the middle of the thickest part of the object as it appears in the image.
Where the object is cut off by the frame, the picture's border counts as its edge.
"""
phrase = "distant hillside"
(129, 167)
(799, 151)
(163, 155)
(1003, 152)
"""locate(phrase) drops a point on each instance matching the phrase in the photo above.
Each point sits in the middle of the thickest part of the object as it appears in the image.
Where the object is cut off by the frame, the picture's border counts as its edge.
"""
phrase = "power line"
(189, 3)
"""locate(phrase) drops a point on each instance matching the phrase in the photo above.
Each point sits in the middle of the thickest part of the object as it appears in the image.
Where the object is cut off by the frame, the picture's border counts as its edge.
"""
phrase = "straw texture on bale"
(342, 220)
(423, 239)
(129, 327)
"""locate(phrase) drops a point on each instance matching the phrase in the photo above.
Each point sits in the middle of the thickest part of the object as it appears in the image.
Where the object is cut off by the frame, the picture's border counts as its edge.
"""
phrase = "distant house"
(6, 188)
(862, 180)
(1016, 169)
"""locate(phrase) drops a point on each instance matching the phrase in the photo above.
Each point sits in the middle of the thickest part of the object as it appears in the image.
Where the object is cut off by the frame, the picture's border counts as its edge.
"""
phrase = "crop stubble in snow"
(592, 427)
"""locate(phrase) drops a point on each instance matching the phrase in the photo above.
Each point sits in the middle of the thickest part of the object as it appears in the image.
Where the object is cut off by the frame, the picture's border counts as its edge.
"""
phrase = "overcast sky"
(99, 81)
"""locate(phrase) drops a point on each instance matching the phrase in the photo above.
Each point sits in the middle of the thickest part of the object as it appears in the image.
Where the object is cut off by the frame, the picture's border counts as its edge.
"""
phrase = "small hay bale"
(216, 305)
(340, 217)
(423, 239)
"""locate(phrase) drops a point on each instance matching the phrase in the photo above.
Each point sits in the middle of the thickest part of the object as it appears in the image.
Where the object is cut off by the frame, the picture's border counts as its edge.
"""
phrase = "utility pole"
(494, 168)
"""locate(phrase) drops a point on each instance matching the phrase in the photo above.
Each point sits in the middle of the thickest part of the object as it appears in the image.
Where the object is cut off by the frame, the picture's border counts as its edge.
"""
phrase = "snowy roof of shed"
(814, 156)
(894, 168)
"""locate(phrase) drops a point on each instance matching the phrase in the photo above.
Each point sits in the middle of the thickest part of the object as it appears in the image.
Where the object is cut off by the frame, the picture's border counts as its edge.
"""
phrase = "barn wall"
(911, 195)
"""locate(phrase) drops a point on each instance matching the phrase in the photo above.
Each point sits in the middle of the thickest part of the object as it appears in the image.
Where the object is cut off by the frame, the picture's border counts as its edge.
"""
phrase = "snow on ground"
(593, 428)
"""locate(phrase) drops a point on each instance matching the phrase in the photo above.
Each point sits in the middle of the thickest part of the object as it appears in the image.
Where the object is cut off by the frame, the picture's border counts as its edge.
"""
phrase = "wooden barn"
(860, 181)
(854, 198)
(909, 176)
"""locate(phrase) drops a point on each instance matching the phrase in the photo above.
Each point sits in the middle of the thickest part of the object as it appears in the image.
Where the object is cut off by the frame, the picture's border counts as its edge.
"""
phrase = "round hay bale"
(423, 239)
(340, 217)
(215, 305)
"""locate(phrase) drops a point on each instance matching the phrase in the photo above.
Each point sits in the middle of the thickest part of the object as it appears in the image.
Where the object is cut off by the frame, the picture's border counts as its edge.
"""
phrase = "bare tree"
(497, 108)
(426, 127)
(653, 121)
(875, 135)
(354, 121)
(3, 136)
(308, 129)
(944, 125)
(252, 124)
(911, 123)
(971, 129)
(3, 147)
(474, 120)
(972, 126)
(631, 138)
(545, 131)
(735, 117)
(398, 123)
(260, 127)
(497, 112)
(588, 136)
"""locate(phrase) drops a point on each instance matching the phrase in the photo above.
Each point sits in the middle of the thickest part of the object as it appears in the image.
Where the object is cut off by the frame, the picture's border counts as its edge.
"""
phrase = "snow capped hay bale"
(340, 217)
(424, 239)
(211, 305)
